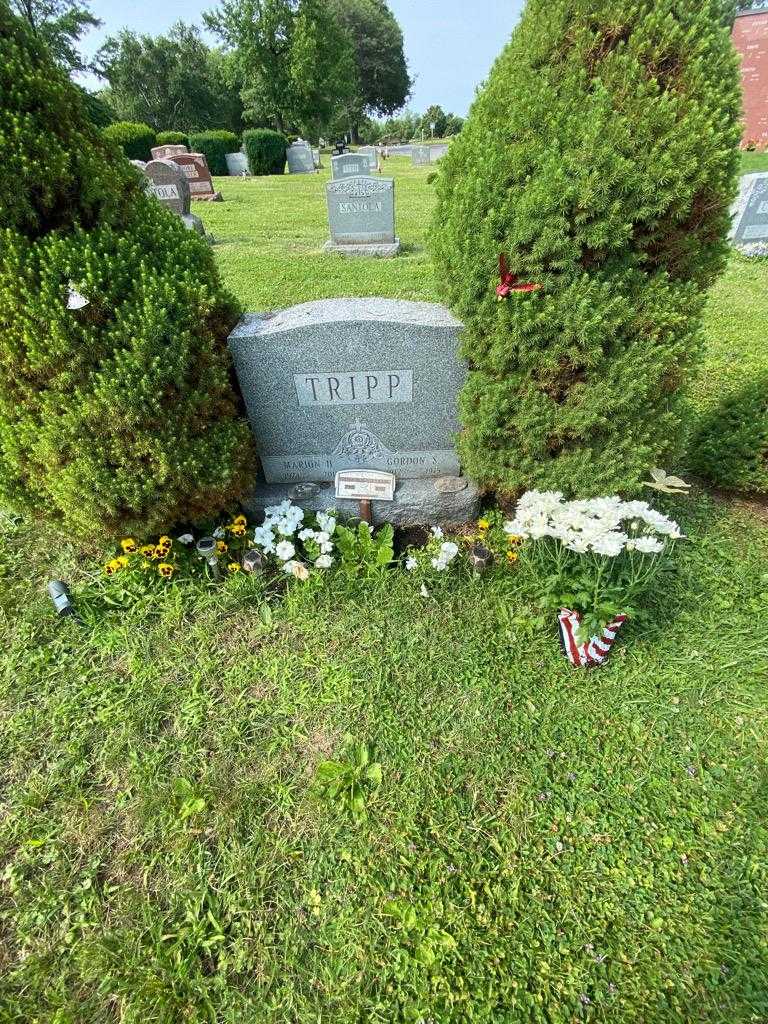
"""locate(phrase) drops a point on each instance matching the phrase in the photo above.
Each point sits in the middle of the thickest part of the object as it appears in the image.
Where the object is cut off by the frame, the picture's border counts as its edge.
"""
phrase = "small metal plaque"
(359, 484)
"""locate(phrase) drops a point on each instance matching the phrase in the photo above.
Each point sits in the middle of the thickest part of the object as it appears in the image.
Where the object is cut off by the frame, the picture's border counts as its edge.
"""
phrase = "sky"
(450, 44)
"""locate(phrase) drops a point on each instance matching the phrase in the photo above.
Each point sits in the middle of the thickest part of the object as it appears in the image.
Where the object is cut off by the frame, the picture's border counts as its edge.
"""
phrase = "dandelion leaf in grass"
(600, 160)
(118, 413)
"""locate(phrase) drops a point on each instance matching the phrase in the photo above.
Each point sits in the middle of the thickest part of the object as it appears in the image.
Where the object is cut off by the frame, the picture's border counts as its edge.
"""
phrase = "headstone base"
(193, 222)
(445, 501)
(211, 197)
(381, 249)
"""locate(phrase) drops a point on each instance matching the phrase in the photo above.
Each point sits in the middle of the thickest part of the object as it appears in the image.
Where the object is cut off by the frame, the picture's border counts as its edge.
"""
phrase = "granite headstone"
(345, 384)
(349, 165)
(420, 155)
(168, 152)
(300, 159)
(195, 167)
(237, 164)
(361, 213)
(750, 226)
(167, 182)
(373, 158)
(169, 185)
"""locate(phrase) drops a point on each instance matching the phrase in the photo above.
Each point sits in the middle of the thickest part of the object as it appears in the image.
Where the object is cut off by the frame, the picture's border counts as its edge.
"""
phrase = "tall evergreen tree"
(600, 161)
(117, 414)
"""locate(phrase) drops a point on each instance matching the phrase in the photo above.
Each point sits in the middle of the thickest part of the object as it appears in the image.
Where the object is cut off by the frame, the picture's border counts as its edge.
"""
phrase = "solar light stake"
(365, 511)
(253, 561)
(480, 558)
(206, 549)
(59, 594)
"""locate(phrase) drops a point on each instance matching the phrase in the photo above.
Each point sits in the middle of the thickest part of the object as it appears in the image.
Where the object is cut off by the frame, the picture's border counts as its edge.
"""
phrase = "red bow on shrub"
(510, 283)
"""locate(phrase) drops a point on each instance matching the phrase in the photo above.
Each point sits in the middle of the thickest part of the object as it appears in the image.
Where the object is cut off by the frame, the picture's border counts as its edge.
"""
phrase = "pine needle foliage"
(120, 415)
(600, 158)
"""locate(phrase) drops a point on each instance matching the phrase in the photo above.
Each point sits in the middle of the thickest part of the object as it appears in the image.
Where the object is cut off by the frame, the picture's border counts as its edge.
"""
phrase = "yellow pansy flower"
(129, 546)
(165, 570)
(483, 524)
(147, 550)
(240, 521)
(221, 547)
(237, 529)
(234, 567)
(512, 556)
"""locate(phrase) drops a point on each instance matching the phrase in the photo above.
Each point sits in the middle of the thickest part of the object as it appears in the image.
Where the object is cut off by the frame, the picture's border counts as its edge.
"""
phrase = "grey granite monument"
(168, 152)
(169, 184)
(749, 232)
(373, 158)
(349, 165)
(300, 159)
(237, 164)
(346, 384)
(420, 156)
(361, 213)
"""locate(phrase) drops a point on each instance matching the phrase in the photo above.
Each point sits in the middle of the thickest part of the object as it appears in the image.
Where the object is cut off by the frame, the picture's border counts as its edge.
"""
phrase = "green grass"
(751, 162)
(547, 845)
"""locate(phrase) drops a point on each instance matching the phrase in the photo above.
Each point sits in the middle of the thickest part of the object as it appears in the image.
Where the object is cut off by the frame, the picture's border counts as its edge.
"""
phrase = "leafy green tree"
(383, 81)
(170, 82)
(117, 409)
(60, 24)
(434, 121)
(600, 159)
(294, 60)
(453, 125)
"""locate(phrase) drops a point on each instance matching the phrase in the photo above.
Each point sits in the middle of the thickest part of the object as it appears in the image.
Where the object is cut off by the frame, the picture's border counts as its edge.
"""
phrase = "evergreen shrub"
(265, 150)
(730, 446)
(214, 145)
(135, 139)
(120, 416)
(600, 158)
(172, 139)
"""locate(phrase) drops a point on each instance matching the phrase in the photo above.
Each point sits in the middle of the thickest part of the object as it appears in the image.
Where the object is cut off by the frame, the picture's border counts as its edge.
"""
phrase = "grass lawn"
(547, 845)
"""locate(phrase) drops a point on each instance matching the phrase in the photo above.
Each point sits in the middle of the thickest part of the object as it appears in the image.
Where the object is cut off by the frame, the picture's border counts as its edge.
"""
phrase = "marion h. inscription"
(366, 387)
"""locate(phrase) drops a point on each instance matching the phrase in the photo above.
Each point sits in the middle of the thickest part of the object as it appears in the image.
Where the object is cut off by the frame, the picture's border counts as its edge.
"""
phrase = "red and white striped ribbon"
(593, 651)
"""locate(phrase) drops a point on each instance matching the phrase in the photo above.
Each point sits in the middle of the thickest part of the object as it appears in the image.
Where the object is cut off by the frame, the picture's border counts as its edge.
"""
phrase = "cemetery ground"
(546, 844)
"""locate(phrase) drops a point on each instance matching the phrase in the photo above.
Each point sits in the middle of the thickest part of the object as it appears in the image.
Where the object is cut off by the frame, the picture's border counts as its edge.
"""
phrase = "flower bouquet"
(594, 558)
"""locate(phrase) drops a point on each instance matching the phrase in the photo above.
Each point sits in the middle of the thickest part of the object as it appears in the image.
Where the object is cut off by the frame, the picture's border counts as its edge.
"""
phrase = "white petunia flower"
(326, 522)
(436, 532)
(448, 551)
(219, 532)
(306, 534)
(326, 547)
(285, 550)
(411, 563)
(185, 538)
(296, 569)
(323, 562)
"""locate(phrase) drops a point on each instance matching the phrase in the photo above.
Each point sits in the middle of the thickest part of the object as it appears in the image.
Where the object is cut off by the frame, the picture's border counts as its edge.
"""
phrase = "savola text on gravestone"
(352, 383)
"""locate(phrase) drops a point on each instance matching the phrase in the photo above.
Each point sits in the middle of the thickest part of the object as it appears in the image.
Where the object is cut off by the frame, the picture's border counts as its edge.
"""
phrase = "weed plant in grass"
(545, 844)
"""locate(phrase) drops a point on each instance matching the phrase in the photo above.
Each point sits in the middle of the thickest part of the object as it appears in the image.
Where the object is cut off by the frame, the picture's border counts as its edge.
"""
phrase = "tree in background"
(383, 82)
(59, 24)
(293, 59)
(173, 81)
(434, 121)
(117, 413)
(600, 160)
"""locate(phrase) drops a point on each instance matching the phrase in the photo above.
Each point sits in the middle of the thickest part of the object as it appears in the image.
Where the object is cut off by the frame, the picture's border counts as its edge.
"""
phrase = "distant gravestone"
(373, 158)
(195, 168)
(237, 163)
(169, 185)
(356, 384)
(168, 152)
(420, 155)
(437, 152)
(750, 226)
(316, 159)
(300, 160)
(361, 214)
(349, 165)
